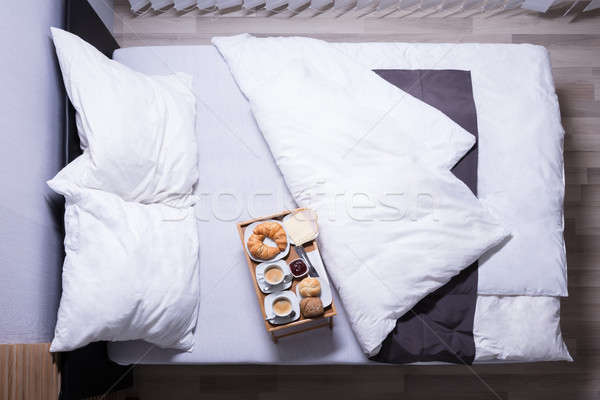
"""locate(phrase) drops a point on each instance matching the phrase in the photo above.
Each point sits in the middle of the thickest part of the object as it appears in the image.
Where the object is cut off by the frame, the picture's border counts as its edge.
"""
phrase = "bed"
(228, 121)
(512, 169)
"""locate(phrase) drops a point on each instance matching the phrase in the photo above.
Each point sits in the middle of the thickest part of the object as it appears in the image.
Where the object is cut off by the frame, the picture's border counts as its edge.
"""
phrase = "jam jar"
(298, 267)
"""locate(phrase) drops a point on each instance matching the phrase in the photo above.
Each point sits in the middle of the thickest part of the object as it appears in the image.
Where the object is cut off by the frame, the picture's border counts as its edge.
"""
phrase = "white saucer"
(250, 229)
(326, 295)
(269, 307)
(266, 287)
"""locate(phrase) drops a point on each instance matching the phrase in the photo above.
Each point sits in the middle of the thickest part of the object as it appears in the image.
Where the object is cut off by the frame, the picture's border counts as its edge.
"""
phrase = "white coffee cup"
(282, 306)
(274, 275)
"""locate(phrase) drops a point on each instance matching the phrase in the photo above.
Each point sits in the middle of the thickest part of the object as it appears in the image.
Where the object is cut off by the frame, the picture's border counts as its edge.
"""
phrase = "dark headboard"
(83, 21)
(87, 371)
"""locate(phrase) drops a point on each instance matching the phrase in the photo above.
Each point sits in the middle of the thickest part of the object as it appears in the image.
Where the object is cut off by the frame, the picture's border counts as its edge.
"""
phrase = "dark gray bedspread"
(440, 326)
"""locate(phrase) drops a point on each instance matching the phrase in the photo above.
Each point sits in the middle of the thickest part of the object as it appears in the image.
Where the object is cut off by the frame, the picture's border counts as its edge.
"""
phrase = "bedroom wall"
(31, 151)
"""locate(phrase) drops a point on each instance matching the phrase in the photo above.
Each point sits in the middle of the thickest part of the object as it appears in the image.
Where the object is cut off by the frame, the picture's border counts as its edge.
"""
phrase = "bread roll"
(309, 287)
(311, 307)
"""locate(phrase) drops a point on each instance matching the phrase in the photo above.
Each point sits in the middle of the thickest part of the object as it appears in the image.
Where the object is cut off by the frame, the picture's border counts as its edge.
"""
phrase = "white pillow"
(130, 272)
(518, 328)
(136, 131)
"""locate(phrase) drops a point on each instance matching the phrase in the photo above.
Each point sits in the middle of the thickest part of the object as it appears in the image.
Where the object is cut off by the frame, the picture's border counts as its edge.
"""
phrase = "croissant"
(273, 231)
(259, 249)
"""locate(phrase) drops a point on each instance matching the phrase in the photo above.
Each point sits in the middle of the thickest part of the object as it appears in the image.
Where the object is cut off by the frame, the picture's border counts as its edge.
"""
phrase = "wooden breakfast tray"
(302, 324)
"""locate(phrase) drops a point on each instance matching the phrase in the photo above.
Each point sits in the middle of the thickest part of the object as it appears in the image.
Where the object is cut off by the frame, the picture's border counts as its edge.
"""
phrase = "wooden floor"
(28, 372)
(575, 53)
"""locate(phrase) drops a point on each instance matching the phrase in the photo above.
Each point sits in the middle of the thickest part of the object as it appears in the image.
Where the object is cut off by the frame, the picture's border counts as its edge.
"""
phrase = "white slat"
(137, 5)
(594, 4)
(537, 5)
(160, 4)
(225, 4)
(184, 4)
(205, 4)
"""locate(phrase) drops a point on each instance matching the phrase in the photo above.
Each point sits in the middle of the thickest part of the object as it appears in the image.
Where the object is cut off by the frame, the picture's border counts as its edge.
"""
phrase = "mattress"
(239, 180)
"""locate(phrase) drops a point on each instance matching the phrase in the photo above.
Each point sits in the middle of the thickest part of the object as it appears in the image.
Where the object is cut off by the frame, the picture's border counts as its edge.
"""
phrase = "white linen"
(229, 146)
(130, 272)
(518, 328)
(382, 262)
(136, 131)
(520, 169)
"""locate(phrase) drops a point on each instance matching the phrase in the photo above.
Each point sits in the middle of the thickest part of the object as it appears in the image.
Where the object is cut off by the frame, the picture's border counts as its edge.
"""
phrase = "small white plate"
(269, 307)
(250, 229)
(326, 295)
(266, 287)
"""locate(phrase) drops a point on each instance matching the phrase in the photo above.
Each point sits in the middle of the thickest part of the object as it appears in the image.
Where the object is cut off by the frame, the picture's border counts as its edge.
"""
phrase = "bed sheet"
(238, 181)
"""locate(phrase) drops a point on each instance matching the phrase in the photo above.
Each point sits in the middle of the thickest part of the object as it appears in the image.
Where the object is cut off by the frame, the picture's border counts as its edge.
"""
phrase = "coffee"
(274, 275)
(282, 307)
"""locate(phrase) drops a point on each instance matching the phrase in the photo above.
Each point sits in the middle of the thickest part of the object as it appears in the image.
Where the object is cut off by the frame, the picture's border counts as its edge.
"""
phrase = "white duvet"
(520, 168)
(395, 223)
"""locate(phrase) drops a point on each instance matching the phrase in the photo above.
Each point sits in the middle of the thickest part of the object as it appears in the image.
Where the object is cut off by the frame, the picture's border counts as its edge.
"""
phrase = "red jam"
(298, 267)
